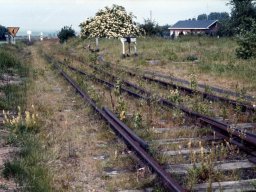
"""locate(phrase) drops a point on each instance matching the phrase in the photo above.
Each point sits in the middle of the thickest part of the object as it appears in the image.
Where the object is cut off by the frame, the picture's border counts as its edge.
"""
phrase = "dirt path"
(70, 131)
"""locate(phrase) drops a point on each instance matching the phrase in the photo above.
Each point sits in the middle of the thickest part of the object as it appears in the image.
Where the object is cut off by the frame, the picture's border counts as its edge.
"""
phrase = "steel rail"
(208, 96)
(127, 129)
(225, 128)
(118, 127)
(215, 89)
(108, 84)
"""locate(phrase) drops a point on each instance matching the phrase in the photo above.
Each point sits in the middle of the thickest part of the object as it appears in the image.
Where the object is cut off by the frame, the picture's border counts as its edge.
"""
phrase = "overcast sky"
(51, 15)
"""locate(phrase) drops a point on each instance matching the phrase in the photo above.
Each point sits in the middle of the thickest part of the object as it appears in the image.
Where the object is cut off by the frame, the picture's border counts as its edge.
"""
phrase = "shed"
(209, 27)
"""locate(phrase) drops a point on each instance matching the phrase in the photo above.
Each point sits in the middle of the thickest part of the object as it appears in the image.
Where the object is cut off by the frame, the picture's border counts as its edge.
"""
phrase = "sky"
(52, 15)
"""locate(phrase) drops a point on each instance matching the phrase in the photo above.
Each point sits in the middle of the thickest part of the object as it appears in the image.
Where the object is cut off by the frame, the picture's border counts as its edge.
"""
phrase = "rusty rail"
(215, 89)
(205, 95)
(224, 128)
(133, 141)
(208, 96)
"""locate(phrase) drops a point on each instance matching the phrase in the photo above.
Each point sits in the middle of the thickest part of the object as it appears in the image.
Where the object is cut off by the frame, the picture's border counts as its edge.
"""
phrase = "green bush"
(66, 33)
(3, 31)
(247, 43)
(192, 58)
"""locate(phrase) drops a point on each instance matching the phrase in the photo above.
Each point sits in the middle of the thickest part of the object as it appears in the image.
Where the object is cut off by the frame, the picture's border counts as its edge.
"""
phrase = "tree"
(65, 33)
(164, 30)
(243, 22)
(3, 31)
(202, 17)
(225, 29)
(220, 16)
(151, 28)
(110, 22)
(242, 14)
(247, 42)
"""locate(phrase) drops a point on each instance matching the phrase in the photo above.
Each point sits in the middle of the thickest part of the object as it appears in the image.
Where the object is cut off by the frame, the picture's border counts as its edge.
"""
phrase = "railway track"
(176, 81)
(206, 91)
(131, 139)
(220, 126)
(244, 141)
(158, 78)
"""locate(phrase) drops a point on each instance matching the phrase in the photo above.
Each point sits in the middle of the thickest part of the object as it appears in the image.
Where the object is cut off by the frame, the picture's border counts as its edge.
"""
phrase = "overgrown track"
(232, 135)
(209, 96)
(185, 82)
(132, 140)
(158, 78)
(243, 140)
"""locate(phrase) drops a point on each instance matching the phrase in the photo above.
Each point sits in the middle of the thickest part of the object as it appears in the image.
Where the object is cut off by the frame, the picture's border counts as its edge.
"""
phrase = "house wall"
(186, 31)
(213, 29)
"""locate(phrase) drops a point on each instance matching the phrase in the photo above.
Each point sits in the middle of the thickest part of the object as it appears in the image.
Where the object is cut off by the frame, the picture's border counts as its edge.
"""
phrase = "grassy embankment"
(211, 60)
(23, 126)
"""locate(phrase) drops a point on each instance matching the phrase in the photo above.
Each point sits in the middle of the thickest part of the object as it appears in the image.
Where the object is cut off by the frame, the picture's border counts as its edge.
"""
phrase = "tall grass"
(213, 56)
(27, 168)
(8, 61)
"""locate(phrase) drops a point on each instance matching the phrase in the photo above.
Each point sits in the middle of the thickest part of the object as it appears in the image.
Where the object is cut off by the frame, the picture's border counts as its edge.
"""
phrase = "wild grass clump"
(10, 63)
(14, 96)
(25, 168)
(7, 60)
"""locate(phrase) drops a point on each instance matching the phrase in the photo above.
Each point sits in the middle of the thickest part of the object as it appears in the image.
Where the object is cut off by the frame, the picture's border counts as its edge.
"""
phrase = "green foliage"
(193, 82)
(223, 19)
(14, 96)
(220, 16)
(243, 19)
(117, 89)
(66, 33)
(242, 13)
(247, 43)
(110, 22)
(27, 170)
(174, 96)
(137, 120)
(192, 58)
(197, 174)
(172, 56)
(202, 17)
(226, 29)
(3, 31)
(27, 167)
(7, 60)
(121, 105)
(93, 57)
(151, 28)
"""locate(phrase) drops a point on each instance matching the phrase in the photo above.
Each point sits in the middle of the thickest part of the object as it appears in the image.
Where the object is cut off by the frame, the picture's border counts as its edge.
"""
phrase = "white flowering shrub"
(110, 22)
